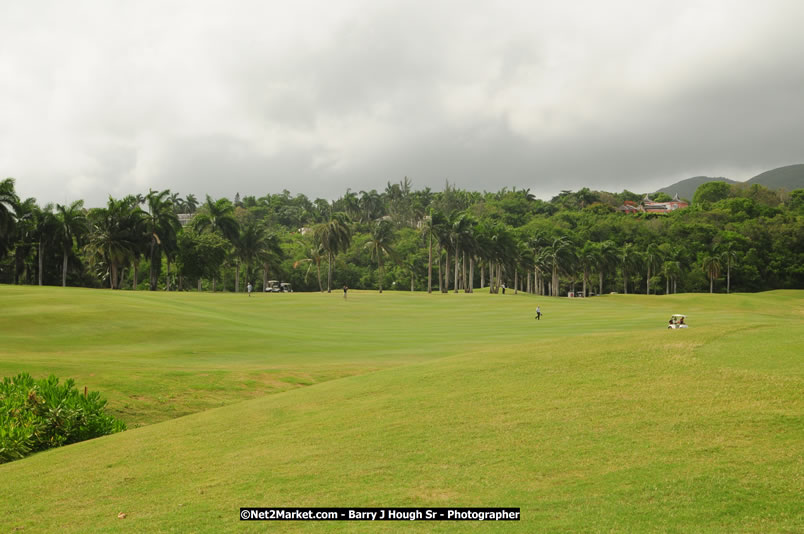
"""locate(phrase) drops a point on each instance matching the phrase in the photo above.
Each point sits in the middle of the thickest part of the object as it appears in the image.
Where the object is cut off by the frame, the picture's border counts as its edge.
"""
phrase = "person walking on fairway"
(538, 313)
(345, 289)
(249, 288)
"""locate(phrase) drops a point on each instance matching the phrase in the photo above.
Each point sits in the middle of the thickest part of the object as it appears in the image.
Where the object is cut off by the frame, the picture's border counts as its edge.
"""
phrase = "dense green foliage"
(409, 239)
(41, 414)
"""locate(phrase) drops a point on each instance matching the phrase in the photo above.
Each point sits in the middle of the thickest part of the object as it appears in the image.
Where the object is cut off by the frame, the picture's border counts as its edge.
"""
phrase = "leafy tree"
(711, 192)
(200, 255)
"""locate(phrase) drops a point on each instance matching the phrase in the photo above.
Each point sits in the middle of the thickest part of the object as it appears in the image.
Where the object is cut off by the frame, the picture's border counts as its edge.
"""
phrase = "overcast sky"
(314, 96)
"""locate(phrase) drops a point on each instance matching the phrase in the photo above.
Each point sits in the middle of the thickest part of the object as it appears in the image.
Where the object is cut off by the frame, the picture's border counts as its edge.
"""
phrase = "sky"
(253, 97)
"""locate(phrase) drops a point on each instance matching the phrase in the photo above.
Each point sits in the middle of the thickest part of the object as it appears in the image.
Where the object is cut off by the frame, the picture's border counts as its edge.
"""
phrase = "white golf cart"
(272, 286)
(677, 321)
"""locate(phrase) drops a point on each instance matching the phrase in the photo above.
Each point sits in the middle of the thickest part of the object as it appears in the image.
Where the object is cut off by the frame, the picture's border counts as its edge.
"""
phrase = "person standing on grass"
(538, 313)
(249, 288)
(345, 289)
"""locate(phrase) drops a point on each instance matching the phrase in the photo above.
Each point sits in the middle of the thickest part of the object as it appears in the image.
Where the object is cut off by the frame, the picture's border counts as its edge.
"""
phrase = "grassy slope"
(595, 419)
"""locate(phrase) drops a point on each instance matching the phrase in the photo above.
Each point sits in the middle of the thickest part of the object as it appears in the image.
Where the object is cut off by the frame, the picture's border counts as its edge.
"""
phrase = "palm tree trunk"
(728, 276)
(463, 272)
(167, 274)
(412, 288)
(440, 285)
(625, 282)
(214, 278)
(112, 274)
(199, 284)
(585, 276)
(446, 270)
(64, 271)
(554, 289)
(237, 276)
(455, 286)
(318, 269)
(41, 260)
(134, 284)
(329, 272)
(711, 283)
(482, 276)
(600, 274)
(516, 281)
(152, 269)
(429, 266)
(471, 274)
(379, 264)
(647, 283)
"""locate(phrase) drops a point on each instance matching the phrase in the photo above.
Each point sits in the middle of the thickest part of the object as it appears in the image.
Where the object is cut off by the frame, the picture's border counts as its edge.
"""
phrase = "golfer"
(249, 288)
(345, 289)
(538, 313)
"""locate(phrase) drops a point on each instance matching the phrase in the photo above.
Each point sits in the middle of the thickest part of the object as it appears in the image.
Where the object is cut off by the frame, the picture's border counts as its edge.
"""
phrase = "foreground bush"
(40, 414)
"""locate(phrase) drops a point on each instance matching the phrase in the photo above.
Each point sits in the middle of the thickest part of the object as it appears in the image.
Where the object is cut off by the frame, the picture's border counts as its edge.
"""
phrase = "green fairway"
(594, 419)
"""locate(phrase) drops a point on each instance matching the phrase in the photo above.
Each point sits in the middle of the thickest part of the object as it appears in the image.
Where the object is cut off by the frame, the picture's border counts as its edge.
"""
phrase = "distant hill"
(686, 188)
(790, 177)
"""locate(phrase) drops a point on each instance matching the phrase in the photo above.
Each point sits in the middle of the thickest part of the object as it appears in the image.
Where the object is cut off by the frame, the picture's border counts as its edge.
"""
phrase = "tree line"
(731, 238)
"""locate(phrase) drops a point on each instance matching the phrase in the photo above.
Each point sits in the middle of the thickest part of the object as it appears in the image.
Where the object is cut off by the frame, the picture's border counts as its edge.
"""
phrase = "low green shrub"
(40, 414)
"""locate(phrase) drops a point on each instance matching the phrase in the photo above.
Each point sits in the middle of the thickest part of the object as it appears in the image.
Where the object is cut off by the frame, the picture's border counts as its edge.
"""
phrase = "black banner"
(378, 514)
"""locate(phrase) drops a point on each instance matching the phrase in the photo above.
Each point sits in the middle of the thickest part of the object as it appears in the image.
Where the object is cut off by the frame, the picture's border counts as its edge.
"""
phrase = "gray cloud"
(317, 97)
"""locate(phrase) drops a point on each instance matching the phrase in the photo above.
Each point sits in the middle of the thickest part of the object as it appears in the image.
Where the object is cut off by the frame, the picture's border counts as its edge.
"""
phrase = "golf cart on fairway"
(272, 286)
(677, 321)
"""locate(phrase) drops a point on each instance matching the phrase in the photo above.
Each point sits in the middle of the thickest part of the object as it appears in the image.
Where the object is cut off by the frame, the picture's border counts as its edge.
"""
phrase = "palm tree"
(270, 252)
(711, 266)
(217, 216)
(382, 235)
(315, 255)
(190, 203)
(653, 258)
(729, 255)
(162, 226)
(250, 245)
(629, 259)
(672, 270)
(72, 224)
(23, 234)
(8, 201)
(606, 259)
(588, 258)
(115, 235)
(557, 253)
(334, 236)
(45, 226)
(432, 223)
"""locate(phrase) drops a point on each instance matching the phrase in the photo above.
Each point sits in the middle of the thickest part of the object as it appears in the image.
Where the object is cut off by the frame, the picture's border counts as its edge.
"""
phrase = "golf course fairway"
(594, 419)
